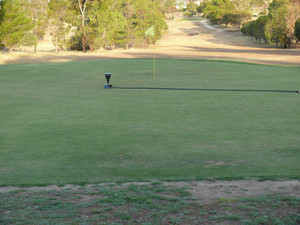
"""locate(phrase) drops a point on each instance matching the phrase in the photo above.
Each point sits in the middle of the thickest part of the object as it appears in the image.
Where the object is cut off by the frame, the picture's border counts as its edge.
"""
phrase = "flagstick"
(154, 63)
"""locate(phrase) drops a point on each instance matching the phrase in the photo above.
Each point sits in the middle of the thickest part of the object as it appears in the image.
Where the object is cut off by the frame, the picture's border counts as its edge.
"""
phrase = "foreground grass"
(58, 125)
(150, 203)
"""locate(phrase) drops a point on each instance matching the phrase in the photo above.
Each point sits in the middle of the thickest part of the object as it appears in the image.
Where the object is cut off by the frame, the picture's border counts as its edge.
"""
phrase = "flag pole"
(154, 63)
(151, 32)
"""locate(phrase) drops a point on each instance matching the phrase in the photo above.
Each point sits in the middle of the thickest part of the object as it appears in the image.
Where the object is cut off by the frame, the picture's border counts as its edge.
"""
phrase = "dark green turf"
(59, 125)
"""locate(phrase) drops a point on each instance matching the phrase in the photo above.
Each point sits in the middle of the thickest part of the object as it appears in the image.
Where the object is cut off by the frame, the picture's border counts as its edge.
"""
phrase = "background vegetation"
(279, 26)
(95, 24)
(82, 25)
(276, 26)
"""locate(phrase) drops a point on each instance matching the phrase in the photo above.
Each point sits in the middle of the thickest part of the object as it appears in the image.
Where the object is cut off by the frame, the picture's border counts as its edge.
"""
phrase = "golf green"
(59, 125)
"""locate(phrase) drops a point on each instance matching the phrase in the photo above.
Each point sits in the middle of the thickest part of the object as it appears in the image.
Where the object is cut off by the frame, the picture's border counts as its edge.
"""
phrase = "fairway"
(58, 125)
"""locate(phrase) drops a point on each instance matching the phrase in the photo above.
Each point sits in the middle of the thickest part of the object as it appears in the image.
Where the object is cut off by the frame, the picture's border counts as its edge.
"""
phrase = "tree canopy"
(15, 24)
(82, 24)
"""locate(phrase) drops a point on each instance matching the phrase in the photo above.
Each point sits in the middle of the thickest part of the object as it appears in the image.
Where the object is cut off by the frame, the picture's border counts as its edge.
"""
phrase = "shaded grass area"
(150, 203)
(58, 125)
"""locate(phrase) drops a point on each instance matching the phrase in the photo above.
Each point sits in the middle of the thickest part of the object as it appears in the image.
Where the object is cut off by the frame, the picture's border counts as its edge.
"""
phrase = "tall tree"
(191, 9)
(37, 10)
(1, 11)
(275, 29)
(82, 9)
(58, 15)
(147, 14)
(280, 27)
(15, 24)
(106, 24)
(115, 23)
(293, 13)
(236, 18)
(216, 9)
(259, 28)
(168, 6)
(1, 18)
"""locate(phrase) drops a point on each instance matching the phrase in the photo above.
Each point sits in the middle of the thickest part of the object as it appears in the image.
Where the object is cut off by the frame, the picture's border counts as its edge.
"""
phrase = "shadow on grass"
(202, 89)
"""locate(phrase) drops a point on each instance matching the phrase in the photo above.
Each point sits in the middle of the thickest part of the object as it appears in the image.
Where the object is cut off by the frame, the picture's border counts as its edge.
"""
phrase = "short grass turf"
(59, 125)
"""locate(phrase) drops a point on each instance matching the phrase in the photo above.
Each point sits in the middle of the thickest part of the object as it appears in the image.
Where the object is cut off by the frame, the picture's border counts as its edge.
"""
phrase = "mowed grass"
(58, 124)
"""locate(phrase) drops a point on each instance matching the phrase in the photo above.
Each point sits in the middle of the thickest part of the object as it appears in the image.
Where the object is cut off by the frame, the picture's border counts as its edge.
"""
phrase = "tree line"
(82, 24)
(280, 24)
(228, 12)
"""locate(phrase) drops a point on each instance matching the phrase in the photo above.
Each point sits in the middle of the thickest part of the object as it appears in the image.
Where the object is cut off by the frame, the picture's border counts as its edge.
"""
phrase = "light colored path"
(204, 22)
(192, 39)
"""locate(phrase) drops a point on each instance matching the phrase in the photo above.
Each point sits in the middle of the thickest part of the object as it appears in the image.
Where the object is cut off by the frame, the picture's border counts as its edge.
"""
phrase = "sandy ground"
(185, 39)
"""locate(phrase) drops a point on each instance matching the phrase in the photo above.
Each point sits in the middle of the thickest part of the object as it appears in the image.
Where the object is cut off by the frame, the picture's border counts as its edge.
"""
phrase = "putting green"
(59, 125)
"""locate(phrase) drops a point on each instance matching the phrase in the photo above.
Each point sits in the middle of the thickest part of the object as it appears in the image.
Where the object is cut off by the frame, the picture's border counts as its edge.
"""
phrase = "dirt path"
(185, 39)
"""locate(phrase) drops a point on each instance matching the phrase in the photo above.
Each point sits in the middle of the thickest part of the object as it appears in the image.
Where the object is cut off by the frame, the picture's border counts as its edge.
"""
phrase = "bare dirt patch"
(185, 39)
(205, 191)
(219, 202)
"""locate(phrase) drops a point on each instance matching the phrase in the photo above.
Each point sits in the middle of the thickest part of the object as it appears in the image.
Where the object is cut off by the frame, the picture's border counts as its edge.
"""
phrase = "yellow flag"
(149, 32)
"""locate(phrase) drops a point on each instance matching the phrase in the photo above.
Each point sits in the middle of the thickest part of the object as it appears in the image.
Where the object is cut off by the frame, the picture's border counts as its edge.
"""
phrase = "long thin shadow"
(202, 89)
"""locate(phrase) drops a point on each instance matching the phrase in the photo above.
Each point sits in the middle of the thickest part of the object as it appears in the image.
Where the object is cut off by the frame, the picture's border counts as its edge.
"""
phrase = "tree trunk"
(82, 11)
(104, 34)
(56, 47)
(91, 47)
(34, 49)
(83, 43)
(82, 36)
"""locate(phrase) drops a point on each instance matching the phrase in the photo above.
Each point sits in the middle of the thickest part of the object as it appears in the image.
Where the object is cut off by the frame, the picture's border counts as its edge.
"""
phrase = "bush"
(248, 28)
